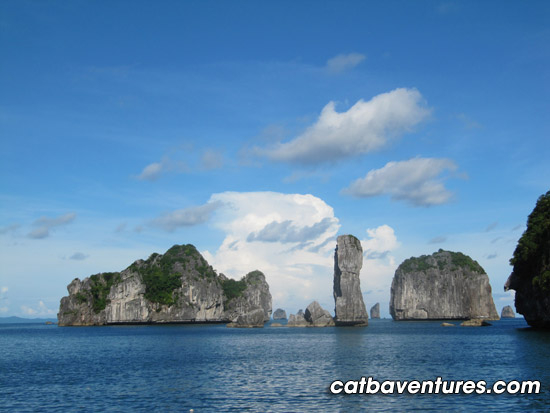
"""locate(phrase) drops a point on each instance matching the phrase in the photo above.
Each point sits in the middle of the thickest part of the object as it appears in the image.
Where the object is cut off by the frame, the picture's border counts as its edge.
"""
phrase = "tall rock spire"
(348, 299)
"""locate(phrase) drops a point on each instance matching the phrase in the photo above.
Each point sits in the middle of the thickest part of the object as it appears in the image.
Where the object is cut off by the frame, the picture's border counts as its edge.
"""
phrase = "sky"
(260, 131)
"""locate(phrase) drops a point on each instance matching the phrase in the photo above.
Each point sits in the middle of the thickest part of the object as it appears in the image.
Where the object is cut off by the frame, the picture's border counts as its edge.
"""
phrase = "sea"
(211, 368)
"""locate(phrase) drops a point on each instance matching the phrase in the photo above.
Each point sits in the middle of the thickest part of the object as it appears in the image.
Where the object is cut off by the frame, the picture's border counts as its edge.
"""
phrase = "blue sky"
(259, 131)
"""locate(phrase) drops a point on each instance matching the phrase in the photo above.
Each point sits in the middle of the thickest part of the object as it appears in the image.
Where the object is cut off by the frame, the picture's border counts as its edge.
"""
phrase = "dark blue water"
(214, 368)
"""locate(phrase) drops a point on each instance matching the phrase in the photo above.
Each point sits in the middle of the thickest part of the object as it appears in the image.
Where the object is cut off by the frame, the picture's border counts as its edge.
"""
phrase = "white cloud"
(153, 171)
(3, 290)
(416, 181)
(382, 240)
(365, 127)
(4, 310)
(379, 266)
(344, 62)
(298, 264)
(44, 225)
(186, 217)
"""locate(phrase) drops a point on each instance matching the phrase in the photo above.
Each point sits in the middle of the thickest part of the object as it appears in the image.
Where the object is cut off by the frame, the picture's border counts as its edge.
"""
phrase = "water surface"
(214, 368)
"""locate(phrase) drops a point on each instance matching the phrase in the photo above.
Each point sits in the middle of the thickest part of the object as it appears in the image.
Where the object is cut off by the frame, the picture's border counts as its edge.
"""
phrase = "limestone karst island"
(179, 286)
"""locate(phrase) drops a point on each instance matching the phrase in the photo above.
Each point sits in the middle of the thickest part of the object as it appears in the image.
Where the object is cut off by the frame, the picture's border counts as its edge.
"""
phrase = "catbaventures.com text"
(369, 385)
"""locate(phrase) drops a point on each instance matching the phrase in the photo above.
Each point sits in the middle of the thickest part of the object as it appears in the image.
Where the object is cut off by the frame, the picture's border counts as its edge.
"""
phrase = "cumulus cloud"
(381, 240)
(363, 128)
(186, 217)
(154, 170)
(44, 225)
(298, 263)
(343, 62)
(416, 181)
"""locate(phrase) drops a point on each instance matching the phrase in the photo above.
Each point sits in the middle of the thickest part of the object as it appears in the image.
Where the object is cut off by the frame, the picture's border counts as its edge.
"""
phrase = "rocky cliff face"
(178, 286)
(348, 260)
(255, 294)
(252, 319)
(444, 285)
(375, 311)
(531, 274)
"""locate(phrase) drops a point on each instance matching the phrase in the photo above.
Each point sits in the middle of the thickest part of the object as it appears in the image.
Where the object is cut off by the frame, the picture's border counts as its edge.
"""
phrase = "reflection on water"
(177, 368)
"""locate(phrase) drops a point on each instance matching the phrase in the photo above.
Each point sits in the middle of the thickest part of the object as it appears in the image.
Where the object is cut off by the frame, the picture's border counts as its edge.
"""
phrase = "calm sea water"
(214, 368)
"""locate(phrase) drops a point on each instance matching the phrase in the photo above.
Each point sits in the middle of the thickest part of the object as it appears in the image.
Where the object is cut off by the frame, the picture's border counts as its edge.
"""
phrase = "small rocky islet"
(507, 312)
(443, 286)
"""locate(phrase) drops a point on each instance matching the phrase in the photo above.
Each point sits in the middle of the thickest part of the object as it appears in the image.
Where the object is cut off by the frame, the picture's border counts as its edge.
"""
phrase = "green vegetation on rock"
(100, 286)
(420, 264)
(81, 298)
(232, 288)
(162, 274)
(531, 259)
(438, 261)
(461, 260)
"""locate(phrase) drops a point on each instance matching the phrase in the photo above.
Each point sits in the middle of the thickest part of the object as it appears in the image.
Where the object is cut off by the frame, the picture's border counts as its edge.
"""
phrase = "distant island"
(21, 320)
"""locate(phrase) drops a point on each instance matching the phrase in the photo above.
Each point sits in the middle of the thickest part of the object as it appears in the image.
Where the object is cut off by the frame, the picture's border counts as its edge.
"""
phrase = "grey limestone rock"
(279, 314)
(255, 295)
(317, 316)
(507, 312)
(252, 319)
(297, 320)
(176, 287)
(348, 260)
(375, 311)
(443, 286)
(314, 316)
